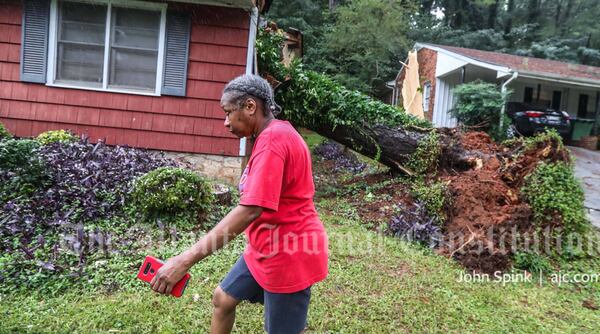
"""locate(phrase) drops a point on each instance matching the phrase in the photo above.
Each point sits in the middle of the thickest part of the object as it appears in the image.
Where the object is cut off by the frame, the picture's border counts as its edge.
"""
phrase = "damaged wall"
(427, 63)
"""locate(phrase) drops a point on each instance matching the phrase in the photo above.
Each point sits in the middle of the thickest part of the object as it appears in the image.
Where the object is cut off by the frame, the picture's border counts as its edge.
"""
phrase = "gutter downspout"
(514, 76)
(250, 60)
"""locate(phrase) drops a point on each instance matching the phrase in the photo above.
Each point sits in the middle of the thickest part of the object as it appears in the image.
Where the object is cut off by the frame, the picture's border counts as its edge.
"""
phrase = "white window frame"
(52, 48)
(426, 95)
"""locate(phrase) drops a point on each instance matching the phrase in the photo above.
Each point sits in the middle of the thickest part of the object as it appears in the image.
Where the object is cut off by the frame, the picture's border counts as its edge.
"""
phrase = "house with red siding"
(534, 82)
(146, 74)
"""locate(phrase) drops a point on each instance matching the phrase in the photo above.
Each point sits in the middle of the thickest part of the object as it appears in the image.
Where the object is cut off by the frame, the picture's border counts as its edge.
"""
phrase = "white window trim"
(426, 97)
(53, 30)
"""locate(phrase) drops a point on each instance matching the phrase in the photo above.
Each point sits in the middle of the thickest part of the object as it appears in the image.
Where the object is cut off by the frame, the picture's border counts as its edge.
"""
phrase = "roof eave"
(502, 70)
(560, 78)
(523, 74)
(263, 5)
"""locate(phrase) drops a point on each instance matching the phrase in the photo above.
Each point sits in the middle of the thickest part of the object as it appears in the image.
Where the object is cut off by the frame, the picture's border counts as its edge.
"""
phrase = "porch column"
(596, 115)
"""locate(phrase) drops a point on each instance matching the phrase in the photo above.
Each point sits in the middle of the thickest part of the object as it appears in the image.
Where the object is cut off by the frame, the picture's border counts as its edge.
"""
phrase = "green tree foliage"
(366, 43)
(312, 99)
(308, 16)
(565, 30)
(359, 42)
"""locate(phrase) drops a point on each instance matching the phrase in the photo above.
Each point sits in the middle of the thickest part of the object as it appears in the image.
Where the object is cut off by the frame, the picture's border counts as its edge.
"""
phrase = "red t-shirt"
(287, 244)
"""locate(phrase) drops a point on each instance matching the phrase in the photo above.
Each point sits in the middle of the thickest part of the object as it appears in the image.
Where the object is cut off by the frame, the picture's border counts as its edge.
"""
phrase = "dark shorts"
(284, 312)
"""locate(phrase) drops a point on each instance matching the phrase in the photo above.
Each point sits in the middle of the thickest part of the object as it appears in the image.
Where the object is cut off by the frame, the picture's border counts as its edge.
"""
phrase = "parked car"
(530, 122)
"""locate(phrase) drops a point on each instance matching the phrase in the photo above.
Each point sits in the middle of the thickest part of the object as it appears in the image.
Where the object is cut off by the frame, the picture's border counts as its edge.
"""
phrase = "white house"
(534, 82)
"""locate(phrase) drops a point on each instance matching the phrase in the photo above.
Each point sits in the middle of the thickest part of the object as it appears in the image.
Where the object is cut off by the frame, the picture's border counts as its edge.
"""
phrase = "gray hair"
(244, 86)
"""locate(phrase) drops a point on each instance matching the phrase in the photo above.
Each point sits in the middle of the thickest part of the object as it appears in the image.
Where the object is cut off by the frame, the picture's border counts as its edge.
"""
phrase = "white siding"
(446, 64)
(444, 101)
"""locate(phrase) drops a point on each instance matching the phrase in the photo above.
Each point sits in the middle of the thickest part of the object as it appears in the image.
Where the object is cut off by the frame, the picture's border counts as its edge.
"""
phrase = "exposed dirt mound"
(486, 217)
(486, 204)
(482, 204)
(480, 141)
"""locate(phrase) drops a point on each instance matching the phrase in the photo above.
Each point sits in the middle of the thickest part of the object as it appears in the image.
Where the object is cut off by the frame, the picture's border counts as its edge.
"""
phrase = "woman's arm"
(234, 223)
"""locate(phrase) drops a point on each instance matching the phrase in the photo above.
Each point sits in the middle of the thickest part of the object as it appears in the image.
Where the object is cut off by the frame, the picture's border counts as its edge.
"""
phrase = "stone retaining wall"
(226, 169)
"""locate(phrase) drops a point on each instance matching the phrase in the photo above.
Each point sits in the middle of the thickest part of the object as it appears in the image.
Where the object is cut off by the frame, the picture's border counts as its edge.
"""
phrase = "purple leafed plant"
(344, 159)
(87, 183)
(413, 224)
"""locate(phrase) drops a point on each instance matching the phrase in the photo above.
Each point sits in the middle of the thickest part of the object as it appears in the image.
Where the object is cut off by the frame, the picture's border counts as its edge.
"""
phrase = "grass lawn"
(376, 285)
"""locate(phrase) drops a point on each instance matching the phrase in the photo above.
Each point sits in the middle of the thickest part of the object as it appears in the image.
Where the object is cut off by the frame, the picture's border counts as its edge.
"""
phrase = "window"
(109, 45)
(426, 96)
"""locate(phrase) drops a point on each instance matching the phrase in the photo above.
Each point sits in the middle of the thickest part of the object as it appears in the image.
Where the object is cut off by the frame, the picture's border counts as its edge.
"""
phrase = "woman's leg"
(223, 312)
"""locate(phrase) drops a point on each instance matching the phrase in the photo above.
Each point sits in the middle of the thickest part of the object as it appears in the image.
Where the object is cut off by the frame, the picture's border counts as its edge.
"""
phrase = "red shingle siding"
(427, 63)
(218, 48)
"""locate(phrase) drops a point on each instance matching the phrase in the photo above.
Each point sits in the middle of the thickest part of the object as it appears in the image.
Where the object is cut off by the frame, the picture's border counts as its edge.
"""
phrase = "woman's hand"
(234, 223)
(169, 274)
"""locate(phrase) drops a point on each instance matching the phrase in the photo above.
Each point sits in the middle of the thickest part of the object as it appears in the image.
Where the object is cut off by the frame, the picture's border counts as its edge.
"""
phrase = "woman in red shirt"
(286, 252)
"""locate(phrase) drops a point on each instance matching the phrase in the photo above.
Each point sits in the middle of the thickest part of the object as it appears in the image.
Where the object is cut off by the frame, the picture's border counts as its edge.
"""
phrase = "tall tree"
(568, 8)
(557, 14)
(533, 10)
(363, 47)
(510, 7)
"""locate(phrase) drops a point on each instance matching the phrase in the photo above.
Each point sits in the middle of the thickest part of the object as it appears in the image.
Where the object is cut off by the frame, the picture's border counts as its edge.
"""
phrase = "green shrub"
(548, 136)
(478, 104)
(4, 134)
(426, 157)
(553, 189)
(54, 136)
(532, 262)
(433, 196)
(21, 170)
(172, 194)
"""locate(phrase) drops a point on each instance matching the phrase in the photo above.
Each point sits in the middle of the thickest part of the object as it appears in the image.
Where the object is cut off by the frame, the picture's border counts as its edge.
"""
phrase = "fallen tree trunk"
(396, 147)
(370, 127)
(392, 147)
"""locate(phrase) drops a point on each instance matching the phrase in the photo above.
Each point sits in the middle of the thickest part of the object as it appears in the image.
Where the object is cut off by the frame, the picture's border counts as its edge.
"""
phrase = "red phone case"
(148, 271)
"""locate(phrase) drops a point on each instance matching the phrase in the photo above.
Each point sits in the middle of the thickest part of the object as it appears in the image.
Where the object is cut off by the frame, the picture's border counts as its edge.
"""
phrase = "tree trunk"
(332, 4)
(557, 16)
(533, 11)
(564, 26)
(509, 12)
(394, 147)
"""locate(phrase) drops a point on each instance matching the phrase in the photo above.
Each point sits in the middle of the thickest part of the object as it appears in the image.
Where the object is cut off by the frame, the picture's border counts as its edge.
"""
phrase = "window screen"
(80, 43)
(132, 48)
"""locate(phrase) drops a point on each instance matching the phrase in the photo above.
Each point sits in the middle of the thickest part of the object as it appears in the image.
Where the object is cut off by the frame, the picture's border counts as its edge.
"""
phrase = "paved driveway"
(587, 169)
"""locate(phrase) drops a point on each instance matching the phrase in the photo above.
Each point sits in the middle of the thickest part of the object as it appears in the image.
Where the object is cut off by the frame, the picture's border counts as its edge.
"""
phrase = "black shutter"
(34, 44)
(176, 54)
